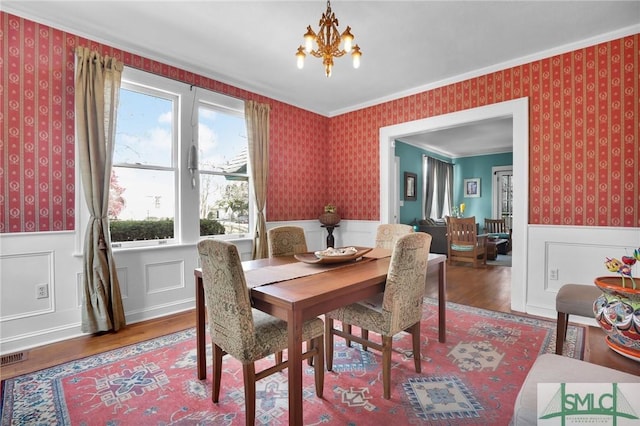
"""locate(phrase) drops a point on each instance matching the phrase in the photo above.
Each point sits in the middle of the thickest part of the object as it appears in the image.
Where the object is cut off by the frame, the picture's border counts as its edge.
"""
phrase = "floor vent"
(13, 358)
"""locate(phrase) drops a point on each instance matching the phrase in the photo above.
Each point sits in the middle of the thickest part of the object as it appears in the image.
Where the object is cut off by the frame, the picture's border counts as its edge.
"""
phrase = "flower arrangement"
(330, 216)
(624, 267)
(330, 208)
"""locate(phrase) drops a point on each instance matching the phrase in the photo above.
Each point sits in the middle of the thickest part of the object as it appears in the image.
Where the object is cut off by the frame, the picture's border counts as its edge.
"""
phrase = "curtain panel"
(97, 88)
(438, 188)
(257, 118)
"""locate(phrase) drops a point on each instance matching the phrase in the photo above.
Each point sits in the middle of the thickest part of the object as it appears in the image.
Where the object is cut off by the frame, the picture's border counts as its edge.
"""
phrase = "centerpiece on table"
(330, 216)
(617, 310)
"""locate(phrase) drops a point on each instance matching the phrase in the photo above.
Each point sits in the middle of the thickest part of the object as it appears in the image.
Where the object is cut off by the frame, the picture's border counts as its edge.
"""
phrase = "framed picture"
(410, 186)
(472, 188)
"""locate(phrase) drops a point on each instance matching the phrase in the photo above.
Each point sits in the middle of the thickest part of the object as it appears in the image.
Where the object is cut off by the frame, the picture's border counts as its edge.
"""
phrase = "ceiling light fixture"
(328, 43)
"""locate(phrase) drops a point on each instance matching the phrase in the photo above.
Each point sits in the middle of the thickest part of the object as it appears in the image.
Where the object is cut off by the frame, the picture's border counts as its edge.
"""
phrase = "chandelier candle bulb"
(300, 55)
(347, 37)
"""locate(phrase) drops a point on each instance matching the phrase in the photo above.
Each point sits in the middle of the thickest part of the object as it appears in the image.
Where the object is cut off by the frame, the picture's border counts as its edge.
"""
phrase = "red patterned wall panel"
(584, 151)
(38, 147)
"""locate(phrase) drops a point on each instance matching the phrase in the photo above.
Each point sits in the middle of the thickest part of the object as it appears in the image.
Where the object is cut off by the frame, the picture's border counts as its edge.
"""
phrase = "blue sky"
(143, 136)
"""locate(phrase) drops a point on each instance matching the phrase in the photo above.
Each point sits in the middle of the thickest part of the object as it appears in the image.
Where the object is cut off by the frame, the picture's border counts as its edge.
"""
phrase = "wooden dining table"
(299, 299)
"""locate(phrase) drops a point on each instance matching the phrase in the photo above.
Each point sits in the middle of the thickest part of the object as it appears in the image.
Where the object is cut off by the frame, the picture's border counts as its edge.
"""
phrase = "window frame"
(230, 106)
(186, 218)
(153, 85)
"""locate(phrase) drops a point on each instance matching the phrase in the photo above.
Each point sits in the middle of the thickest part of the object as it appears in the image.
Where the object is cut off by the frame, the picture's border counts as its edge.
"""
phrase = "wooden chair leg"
(365, 335)
(318, 365)
(347, 329)
(561, 331)
(278, 357)
(386, 366)
(328, 335)
(309, 360)
(415, 333)
(249, 373)
(217, 372)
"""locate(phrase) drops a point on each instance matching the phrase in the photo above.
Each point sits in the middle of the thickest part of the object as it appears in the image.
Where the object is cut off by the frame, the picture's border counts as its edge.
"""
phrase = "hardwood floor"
(486, 288)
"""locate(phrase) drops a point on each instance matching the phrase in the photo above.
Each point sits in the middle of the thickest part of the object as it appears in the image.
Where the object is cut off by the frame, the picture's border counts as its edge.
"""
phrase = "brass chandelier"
(328, 42)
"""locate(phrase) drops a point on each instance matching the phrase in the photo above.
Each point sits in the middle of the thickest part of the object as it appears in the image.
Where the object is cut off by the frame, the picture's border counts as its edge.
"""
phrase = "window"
(142, 202)
(224, 178)
(160, 194)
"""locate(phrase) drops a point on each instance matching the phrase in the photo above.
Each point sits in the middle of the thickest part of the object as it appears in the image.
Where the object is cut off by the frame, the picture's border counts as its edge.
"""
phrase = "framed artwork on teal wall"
(410, 182)
(472, 188)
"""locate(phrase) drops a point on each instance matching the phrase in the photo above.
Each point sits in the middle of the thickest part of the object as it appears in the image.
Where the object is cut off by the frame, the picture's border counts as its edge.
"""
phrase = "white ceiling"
(407, 46)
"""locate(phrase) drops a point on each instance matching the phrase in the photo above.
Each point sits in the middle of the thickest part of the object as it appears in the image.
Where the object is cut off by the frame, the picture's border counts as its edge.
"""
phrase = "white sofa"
(551, 368)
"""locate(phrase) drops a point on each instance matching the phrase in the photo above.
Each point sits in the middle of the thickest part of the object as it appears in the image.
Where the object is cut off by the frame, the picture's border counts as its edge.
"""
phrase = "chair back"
(495, 226)
(405, 285)
(388, 233)
(286, 241)
(462, 231)
(227, 297)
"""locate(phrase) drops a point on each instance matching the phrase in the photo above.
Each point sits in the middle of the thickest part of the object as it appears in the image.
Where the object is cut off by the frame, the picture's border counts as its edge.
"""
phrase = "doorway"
(518, 110)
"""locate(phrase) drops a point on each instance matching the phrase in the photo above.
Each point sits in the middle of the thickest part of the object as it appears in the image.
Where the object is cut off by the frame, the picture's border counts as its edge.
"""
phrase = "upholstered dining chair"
(388, 233)
(398, 309)
(386, 236)
(286, 240)
(463, 242)
(245, 333)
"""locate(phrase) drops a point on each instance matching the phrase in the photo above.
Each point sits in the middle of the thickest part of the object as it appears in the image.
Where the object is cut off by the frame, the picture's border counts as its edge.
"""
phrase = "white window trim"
(185, 194)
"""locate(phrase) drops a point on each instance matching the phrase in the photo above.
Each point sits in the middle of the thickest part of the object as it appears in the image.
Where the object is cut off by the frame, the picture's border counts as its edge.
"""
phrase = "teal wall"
(464, 168)
(477, 167)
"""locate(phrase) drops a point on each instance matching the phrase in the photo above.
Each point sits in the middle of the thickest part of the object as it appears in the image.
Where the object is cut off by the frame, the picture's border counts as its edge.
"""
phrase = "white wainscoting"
(578, 254)
(154, 282)
(159, 281)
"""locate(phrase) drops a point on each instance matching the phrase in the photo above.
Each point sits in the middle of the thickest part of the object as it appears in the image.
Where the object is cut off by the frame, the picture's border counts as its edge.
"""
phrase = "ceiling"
(407, 46)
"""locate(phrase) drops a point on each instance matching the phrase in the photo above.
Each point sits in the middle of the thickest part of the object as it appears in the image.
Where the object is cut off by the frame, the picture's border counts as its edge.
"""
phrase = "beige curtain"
(97, 88)
(257, 117)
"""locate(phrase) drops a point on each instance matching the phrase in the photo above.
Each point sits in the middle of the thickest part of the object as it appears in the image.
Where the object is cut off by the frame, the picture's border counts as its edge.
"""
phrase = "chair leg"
(328, 345)
(347, 329)
(365, 335)
(561, 331)
(249, 373)
(278, 357)
(318, 365)
(415, 333)
(309, 360)
(217, 372)
(386, 366)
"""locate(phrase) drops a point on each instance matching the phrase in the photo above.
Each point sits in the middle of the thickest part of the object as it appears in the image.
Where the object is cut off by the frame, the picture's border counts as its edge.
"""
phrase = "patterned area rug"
(472, 379)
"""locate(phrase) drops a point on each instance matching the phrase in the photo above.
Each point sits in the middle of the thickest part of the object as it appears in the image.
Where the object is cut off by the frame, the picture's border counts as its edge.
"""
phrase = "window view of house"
(222, 163)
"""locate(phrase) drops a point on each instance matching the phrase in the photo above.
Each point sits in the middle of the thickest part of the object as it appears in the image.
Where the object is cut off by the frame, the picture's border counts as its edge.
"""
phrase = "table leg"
(294, 352)
(201, 352)
(442, 302)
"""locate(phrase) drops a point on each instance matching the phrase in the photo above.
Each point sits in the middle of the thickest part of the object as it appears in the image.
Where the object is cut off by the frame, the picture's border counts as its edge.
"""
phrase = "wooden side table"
(493, 247)
(330, 239)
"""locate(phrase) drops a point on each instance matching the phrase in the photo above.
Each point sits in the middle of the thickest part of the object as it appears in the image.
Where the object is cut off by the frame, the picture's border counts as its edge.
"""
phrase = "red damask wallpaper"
(584, 132)
(38, 148)
(584, 149)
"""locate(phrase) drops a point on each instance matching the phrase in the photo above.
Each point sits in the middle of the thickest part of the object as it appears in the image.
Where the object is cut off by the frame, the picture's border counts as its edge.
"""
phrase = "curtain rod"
(437, 159)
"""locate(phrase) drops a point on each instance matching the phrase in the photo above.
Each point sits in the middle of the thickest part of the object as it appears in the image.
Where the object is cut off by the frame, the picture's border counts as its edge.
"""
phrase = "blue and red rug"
(473, 379)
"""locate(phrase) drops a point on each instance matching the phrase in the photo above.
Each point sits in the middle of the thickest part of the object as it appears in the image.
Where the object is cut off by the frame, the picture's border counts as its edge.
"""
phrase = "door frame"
(518, 110)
